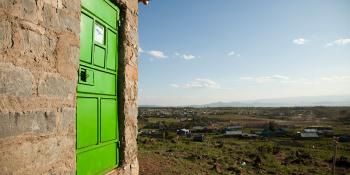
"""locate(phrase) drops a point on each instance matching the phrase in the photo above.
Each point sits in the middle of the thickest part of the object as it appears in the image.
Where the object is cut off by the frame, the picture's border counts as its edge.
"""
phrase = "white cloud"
(140, 50)
(305, 81)
(157, 54)
(202, 83)
(263, 79)
(174, 85)
(337, 78)
(233, 53)
(185, 56)
(300, 41)
(281, 77)
(198, 83)
(188, 56)
(339, 42)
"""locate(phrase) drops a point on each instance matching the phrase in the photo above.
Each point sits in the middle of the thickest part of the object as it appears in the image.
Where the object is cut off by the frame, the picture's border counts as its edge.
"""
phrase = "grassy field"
(217, 155)
(171, 154)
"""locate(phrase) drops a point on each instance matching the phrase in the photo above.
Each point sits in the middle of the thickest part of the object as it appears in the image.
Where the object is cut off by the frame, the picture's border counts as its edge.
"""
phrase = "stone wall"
(128, 85)
(39, 58)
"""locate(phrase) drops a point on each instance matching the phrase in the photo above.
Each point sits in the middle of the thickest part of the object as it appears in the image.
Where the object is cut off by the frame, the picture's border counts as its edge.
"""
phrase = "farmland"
(163, 150)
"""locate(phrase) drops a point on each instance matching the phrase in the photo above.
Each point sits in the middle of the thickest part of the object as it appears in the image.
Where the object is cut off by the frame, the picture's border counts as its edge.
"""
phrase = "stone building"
(55, 74)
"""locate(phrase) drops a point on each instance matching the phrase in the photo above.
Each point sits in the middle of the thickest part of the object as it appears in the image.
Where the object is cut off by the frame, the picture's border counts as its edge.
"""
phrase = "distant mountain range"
(331, 100)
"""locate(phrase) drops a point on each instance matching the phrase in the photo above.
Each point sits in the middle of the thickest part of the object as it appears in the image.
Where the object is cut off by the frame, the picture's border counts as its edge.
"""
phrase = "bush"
(265, 149)
(299, 157)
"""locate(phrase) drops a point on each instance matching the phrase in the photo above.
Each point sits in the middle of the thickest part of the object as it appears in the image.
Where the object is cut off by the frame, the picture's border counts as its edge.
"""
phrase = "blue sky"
(197, 52)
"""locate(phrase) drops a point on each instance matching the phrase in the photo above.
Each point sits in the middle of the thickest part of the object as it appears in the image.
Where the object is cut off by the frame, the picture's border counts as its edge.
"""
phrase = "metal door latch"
(86, 76)
(83, 75)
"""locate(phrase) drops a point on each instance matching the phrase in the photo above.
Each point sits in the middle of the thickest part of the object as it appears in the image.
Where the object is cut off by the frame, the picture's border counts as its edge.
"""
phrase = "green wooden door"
(97, 114)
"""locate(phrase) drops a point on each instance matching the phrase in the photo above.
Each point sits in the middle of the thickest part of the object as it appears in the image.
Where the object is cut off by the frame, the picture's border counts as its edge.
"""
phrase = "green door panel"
(86, 122)
(97, 160)
(112, 54)
(105, 11)
(97, 111)
(86, 25)
(109, 120)
(103, 83)
(99, 56)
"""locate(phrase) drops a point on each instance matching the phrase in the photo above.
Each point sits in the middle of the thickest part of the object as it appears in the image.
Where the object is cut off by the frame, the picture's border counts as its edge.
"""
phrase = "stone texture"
(39, 38)
(39, 59)
(29, 8)
(50, 16)
(67, 58)
(128, 77)
(5, 35)
(39, 156)
(55, 86)
(32, 43)
(72, 5)
(15, 81)
(23, 9)
(39, 122)
(68, 120)
(67, 22)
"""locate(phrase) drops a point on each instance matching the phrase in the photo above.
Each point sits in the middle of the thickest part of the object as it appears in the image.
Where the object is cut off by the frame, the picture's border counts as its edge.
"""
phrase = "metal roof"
(309, 134)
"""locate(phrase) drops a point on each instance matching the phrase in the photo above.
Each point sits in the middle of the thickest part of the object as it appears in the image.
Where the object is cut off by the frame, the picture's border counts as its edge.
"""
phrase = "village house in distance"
(68, 91)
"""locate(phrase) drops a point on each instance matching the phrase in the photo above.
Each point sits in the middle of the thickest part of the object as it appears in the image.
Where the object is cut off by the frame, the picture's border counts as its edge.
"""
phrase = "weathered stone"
(68, 120)
(56, 4)
(15, 81)
(67, 22)
(29, 7)
(74, 55)
(66, 60)
(5, 4)
(50, 16)
(73, 6)
(39, 122)
(5, 35)
(33, 27)
(39, 59)
(32, 43)
(31, 11)
(22, 9)
(50, 45)
(38, 156)
(32, 48)
(56, 86)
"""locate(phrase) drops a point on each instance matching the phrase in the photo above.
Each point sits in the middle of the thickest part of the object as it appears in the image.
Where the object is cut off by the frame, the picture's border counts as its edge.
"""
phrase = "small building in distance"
(185, 132)
(320, 130)
(233, 133)
(308, 130)
(308, 135)
(233, 128)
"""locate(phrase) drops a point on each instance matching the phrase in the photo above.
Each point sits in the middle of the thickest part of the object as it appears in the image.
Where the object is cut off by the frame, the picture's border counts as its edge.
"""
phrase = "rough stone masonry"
(39, 59)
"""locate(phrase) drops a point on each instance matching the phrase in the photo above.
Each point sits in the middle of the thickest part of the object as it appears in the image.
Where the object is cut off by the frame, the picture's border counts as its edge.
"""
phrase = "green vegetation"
(163, 152)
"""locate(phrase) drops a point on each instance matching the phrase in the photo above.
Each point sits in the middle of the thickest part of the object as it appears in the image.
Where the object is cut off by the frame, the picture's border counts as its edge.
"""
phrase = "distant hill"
(333, 100)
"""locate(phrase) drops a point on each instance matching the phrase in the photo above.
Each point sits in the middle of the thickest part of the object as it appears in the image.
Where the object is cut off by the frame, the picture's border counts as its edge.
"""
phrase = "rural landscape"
(244, 140)
(244, 87)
